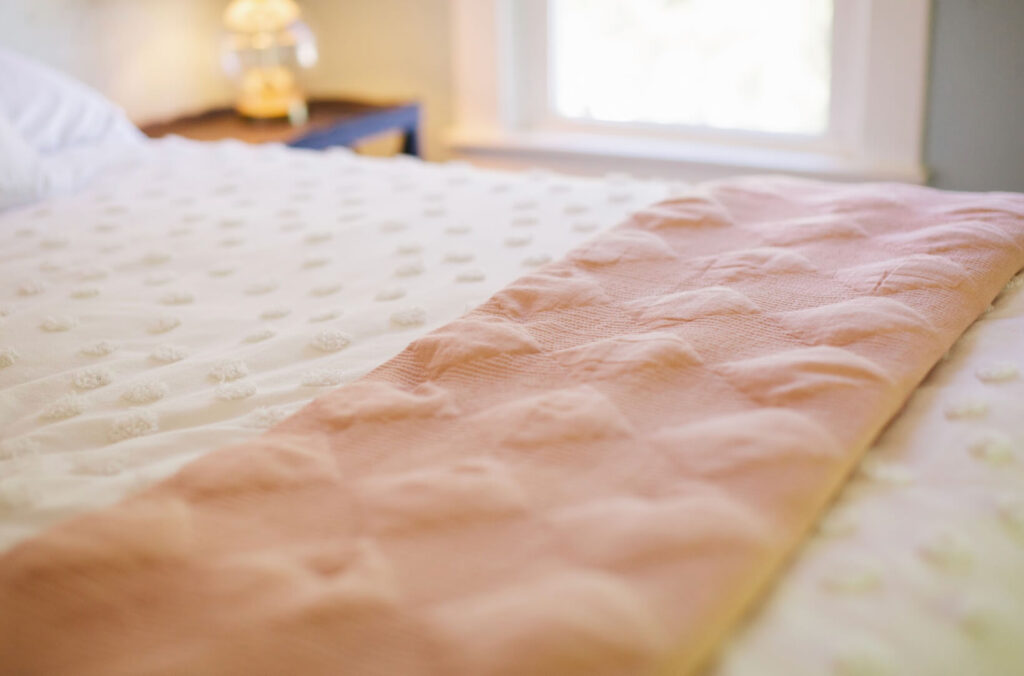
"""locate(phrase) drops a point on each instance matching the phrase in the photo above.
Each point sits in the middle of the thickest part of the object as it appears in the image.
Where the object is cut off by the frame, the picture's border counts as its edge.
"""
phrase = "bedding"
(53, 112)
(20, 177)
(27, 176)
(919, 566)
(524, 490)
(195, 294)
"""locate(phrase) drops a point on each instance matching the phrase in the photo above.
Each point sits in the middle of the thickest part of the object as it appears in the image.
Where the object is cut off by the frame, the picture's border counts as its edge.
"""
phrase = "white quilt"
(201, 292)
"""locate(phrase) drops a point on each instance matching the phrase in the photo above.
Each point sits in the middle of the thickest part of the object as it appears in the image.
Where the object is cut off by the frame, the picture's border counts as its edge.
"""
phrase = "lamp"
(265, 46)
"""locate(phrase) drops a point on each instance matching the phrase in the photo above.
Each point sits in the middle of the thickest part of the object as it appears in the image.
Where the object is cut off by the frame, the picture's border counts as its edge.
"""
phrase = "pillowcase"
(28, 176)
(21, 180)
(52, 112)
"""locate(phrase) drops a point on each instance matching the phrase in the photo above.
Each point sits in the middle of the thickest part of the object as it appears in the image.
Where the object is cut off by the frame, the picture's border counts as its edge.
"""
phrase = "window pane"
(760, 65)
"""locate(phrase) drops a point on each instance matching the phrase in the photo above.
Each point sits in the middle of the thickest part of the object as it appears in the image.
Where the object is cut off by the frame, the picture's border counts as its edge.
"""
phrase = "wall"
(386, 49)
(975, 138)
(156, 58)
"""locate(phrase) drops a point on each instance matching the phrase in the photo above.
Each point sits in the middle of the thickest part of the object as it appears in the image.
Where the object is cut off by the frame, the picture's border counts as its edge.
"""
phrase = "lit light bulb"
(265, 47)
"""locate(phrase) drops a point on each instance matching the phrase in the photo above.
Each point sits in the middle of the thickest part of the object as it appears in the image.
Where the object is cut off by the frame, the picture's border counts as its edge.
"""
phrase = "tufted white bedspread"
(201, 292)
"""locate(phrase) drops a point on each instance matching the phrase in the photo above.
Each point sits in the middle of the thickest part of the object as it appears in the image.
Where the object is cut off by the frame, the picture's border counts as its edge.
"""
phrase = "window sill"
(597, 154)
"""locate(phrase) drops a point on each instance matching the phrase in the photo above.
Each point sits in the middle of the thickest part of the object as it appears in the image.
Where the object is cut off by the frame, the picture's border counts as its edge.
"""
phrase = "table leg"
(411, 141)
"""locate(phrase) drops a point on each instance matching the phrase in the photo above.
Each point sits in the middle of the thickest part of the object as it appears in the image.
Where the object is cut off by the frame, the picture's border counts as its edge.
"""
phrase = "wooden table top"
(225, 123)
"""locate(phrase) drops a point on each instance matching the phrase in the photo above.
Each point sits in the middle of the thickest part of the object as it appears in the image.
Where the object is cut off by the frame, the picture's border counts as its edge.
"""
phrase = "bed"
(266, 410)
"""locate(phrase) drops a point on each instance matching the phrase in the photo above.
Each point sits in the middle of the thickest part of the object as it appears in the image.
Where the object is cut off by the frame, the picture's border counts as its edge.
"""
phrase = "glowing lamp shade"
(265, 47)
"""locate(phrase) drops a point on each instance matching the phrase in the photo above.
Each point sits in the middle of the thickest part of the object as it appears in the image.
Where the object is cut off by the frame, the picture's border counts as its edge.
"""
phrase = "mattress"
(202, 293)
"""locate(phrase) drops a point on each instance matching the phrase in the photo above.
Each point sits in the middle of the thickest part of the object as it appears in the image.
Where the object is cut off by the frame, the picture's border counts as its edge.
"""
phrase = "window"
(696, 88)
(727, 64)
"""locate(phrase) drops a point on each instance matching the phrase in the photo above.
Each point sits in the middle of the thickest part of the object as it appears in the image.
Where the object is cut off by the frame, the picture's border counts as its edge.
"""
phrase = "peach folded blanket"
(595, 472)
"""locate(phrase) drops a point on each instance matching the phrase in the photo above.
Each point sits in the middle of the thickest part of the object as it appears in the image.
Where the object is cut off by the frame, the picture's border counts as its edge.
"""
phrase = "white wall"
(386, 49)
(156, 58)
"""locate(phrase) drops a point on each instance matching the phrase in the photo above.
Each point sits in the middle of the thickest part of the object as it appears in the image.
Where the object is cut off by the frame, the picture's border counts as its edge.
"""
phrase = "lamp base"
(271, 94)
(296, 112)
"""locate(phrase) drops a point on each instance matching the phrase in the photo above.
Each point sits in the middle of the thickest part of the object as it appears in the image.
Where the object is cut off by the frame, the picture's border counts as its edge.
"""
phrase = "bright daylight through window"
(752, 65)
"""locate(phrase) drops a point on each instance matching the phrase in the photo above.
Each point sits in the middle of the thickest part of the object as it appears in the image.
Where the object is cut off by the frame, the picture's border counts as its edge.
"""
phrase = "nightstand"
(330, 123)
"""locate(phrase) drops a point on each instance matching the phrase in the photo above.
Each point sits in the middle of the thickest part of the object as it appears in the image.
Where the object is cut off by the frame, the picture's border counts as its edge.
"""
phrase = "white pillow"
(53, 112)
(21, 177)
(28, 176)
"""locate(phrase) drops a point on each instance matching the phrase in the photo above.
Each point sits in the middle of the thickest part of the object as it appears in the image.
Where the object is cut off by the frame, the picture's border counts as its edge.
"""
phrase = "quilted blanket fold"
(595, 472)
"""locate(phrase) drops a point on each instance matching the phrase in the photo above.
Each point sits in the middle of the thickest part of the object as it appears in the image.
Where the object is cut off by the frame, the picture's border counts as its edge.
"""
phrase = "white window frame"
(876, 125)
